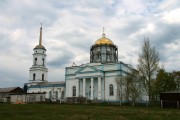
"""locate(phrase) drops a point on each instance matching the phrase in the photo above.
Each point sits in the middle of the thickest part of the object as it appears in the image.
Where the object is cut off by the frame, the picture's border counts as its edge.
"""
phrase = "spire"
(103, 35)
(40, 36)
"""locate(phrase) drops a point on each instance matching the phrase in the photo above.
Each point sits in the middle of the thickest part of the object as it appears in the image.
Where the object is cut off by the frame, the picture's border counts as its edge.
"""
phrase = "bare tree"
(132, 86)
(148, 66)
(128, 86)
(119, 82)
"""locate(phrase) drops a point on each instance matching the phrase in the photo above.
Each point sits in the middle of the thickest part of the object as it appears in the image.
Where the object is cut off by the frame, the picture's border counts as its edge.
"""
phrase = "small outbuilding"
(170, 99)
(5, 93)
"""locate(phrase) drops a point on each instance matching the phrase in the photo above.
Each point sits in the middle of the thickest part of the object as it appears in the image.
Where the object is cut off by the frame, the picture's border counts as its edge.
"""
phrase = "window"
(74, 91)
(41, 98)
(35, 61)
(111, 91)
(42, 77)
(98, 55)
(62, 94)
(56, 95)
(34, 76)
(50, 94)
(43, 61)
(108, 56)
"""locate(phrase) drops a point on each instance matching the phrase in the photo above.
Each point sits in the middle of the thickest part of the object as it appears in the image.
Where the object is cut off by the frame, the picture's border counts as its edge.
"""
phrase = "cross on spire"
(103, 35)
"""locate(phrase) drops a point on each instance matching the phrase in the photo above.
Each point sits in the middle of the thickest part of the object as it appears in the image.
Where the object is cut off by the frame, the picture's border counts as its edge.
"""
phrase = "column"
(92, 84)
(84, 87)
(77, 88)
(99, 88)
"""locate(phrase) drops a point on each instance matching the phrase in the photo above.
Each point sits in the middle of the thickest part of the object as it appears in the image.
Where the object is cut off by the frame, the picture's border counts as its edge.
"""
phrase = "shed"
(5, 93)
(170, 99)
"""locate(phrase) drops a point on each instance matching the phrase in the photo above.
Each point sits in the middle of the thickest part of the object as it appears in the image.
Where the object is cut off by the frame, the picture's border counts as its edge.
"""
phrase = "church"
(94, 80)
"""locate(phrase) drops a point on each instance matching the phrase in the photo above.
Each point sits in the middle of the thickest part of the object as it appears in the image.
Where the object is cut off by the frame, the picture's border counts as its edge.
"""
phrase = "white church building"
(94, 80)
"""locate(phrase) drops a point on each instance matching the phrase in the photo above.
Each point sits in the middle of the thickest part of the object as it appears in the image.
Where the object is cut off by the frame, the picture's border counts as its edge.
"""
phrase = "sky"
(71, 27)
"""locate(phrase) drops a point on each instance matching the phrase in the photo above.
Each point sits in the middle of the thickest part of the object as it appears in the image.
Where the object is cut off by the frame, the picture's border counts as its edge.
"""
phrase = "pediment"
(87, 69)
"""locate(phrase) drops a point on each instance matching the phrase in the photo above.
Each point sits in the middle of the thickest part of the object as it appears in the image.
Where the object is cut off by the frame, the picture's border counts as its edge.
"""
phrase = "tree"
(128, 86)
(119, 82)
(164, 82)
(176, 75)
(148, 65)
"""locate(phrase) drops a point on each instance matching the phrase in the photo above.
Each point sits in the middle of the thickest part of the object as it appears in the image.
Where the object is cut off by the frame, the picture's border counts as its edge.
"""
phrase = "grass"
(84, 112)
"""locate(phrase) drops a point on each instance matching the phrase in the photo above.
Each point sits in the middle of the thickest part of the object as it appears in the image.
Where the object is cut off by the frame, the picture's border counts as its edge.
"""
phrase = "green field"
(84, 112)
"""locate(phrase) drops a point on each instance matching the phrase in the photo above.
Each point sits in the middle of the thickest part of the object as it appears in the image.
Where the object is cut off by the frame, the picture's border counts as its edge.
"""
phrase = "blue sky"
(71, 27)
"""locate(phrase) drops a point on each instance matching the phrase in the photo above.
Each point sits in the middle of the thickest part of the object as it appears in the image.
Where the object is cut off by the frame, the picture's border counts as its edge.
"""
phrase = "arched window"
(50, 94)
(74, 91)
(43, 61)
(99, 56)
(35, 61)
(42, 77)
(56, 95)
(62, 94)
(34, 76)
(111, 90)
(108, 56)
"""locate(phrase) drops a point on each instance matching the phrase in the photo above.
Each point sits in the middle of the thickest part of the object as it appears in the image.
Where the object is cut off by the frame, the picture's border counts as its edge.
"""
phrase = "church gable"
(87, 69)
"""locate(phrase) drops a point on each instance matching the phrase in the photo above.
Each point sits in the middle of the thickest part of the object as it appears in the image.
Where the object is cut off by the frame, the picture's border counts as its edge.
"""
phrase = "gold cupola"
(103, 40)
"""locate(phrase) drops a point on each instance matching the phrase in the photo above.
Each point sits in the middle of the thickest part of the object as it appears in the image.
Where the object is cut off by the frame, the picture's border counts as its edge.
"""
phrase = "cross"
(41, 24)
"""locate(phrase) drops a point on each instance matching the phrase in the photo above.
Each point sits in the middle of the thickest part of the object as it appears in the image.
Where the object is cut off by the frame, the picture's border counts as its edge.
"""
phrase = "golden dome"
(104, 40)
(39, 47)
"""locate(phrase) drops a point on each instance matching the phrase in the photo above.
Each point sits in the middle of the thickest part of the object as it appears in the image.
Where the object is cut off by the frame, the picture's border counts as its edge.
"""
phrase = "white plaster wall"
(39, 54)
(110, 67)
(38, 73)
(26, 98)
(108, 81)
(111, 74)
(17, 98)
(72, 70)
(89, 75)
(69, 86)
(102, 89)
(47, 90)
(70, 77)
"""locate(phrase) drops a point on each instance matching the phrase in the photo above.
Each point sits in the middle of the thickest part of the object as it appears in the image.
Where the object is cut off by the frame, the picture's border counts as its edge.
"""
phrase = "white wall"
(47, 90)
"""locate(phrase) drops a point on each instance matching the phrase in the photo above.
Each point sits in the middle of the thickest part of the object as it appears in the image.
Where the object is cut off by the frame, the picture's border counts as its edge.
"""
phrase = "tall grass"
(84, 112)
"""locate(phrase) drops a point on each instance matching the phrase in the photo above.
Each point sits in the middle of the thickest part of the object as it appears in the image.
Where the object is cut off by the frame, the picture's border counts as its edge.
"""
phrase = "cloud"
(71, 27)
(60, 59)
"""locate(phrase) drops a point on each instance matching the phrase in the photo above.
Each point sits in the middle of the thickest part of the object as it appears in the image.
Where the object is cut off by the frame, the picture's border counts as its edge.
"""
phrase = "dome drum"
(104, 53)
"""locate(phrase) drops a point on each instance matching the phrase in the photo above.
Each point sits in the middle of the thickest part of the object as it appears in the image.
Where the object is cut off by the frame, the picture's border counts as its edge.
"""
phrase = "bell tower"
(38, 71)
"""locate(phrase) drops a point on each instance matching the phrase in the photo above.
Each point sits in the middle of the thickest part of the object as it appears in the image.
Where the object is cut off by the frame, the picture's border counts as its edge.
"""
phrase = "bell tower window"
(43, 61)
(35, 61)
(42, 77)
(34, 76)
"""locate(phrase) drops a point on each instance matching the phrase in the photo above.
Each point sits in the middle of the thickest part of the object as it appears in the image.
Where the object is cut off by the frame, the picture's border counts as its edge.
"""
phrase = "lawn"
(84, 112)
